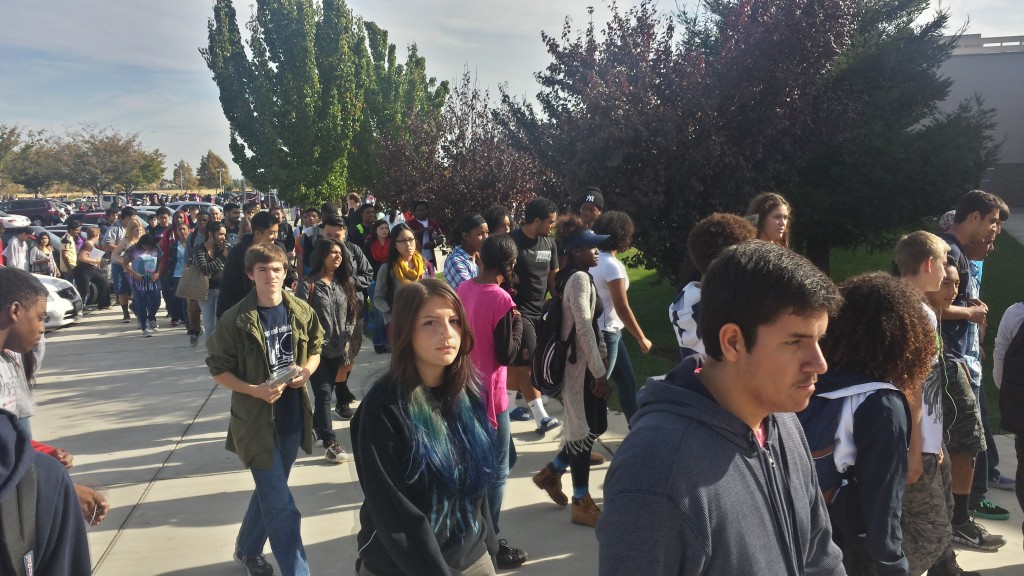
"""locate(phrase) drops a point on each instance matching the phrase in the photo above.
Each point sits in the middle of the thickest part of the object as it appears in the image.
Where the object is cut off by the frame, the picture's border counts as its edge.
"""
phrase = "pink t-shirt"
(485, 305)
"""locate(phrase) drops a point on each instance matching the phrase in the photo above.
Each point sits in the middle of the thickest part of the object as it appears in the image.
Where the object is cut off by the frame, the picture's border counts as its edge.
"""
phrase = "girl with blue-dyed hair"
(424, 448)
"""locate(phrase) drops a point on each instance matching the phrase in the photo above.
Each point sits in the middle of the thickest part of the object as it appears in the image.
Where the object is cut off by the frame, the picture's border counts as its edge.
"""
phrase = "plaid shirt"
(458, 267)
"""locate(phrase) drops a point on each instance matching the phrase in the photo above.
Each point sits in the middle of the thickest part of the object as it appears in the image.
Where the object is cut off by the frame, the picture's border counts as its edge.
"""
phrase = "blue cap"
(584, 239)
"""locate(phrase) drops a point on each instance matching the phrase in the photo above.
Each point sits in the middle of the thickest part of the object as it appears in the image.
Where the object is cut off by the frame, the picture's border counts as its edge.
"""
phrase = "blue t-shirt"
(179, 261)
(277, 333)
(955, 333)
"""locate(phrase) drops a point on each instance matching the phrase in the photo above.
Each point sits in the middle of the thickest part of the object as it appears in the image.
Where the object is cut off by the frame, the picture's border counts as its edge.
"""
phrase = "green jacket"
(238, 346)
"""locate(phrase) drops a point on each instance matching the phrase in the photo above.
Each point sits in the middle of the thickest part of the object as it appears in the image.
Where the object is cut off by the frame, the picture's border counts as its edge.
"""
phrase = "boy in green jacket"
(269, 332)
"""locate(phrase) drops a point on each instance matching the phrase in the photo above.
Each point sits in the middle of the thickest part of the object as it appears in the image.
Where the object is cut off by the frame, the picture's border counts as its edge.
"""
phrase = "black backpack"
(552, 352)
(18, 527)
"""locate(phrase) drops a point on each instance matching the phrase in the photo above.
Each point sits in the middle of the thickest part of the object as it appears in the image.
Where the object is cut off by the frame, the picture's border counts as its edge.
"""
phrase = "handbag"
(193, 285)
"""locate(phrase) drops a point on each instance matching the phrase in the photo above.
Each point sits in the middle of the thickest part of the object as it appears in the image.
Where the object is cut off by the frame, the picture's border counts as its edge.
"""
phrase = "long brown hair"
(762, 205)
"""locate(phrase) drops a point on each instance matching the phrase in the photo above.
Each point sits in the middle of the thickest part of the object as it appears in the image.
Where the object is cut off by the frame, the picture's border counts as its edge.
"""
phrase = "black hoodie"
(62, 547)
(692, 492)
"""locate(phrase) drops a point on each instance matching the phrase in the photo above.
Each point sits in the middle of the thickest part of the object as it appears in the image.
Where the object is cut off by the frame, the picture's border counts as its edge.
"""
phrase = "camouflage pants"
(927, 511)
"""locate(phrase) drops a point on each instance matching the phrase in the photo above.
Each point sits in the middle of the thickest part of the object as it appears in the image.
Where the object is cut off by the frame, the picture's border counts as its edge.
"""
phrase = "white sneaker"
(336, 454)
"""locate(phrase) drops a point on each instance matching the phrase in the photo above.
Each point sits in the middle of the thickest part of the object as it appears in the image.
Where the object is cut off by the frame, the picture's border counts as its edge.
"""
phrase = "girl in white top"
(612, 283)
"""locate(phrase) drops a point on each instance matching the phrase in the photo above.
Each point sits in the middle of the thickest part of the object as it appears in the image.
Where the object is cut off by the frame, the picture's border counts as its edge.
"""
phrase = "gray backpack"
(18, 527)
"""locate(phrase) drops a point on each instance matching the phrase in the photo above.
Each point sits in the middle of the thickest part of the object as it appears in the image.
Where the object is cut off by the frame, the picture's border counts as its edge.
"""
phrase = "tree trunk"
(818, 253)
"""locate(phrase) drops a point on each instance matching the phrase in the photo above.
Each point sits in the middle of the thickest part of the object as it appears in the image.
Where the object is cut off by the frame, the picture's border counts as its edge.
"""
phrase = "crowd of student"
(883, 466)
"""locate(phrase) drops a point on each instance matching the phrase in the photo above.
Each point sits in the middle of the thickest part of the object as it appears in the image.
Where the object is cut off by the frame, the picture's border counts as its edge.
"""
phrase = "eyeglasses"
(405, 241)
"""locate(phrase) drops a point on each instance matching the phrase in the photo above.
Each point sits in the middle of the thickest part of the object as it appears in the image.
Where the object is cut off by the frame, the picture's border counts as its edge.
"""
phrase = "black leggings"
(596, 410)
(85, 276)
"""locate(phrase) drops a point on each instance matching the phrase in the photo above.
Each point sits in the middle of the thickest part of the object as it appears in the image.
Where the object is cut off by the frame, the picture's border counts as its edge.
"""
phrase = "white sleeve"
(1008, 327)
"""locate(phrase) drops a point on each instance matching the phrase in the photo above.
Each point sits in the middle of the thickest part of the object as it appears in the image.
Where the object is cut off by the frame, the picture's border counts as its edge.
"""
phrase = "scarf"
(378, 251)
(406, 272)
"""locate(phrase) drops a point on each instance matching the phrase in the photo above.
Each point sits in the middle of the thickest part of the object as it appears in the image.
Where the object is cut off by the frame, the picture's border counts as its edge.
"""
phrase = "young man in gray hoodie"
(715, 476)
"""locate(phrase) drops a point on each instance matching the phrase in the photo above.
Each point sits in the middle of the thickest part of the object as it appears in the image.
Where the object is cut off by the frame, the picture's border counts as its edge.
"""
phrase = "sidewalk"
(147, 426)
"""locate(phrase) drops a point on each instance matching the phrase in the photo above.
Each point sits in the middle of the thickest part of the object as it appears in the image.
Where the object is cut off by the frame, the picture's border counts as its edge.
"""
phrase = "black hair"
(754, 283)
(163, 210)
(17, 285)
(311, 209)
(343, 275)
(73, 223)
(981, 202)
(333, 218)
(212, 226)
(251, 205)
(231, 206)
(540, 209)
(393, 256)
(147, 242)
(203, 213)
(494, 215)
(262, 221)
(619, 228)
(126, 212)
(419, 203)
(111, 211)
(500, 252)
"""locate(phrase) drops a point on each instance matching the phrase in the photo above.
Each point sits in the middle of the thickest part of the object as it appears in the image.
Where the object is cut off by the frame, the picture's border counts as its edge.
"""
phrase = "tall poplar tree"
(292, 95)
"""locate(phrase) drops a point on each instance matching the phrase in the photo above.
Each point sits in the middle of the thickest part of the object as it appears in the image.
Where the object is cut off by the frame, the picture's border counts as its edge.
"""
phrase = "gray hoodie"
(691, 492)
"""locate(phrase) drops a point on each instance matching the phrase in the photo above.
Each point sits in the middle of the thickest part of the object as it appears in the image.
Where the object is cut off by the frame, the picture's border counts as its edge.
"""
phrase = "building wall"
(994, 68)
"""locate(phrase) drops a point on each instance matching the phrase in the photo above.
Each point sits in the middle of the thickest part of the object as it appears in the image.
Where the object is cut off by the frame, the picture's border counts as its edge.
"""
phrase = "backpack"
(827, 421)
(552, 352)
(18, 527)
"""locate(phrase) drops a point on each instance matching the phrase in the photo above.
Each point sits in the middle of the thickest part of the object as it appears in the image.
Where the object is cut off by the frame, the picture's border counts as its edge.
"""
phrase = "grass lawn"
(1002, 285)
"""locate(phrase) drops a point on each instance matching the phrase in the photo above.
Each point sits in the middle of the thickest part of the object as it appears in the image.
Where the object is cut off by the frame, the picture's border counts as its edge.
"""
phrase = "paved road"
(147, 426)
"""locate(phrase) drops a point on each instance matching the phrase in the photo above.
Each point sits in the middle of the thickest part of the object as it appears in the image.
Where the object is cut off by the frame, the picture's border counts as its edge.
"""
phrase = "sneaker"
(989, 511)
(145, 333)
(973, 535)
(126, 320)
(548, 424)
(939, 569)
(335, 453)
(174, 323)
(153, 326)
(257, 566)
(1002, 482)
(344, 411)
(509, 557)
(520, 414)
(549, 480)
(585, 512)
(193, 339)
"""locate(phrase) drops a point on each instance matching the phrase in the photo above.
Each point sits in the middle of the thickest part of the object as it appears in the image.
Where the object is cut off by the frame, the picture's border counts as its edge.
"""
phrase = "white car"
(63, 303)
(14, 220)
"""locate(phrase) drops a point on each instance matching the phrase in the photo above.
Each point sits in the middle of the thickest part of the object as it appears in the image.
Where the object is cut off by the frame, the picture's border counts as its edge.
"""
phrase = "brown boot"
(549, 480)
(585, 512)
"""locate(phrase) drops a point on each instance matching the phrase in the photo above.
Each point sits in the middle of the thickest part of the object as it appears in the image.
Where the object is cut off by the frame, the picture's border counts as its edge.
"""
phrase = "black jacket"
(409, 528)
(234, 283)
(691, 492)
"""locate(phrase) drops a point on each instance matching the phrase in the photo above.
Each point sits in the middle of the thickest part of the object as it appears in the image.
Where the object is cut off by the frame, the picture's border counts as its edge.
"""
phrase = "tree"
(674, 127)
(184, 177)
(33, 163)
(900, 161)
(295, 103)
(458, 160)
(100, 159)
(395, 94)
(213, 171)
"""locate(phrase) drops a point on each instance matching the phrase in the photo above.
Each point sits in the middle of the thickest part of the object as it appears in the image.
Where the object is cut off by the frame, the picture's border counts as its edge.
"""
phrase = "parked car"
(63, 303)
(40, 211)
(14, 220)
(185, 204)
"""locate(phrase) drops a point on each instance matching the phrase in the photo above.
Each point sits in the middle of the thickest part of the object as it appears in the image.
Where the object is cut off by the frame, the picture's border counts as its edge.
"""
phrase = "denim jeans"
(322, 382)
(620, 370)
(209, 311)
(986, 462)
(272, 513)
(505, 452)
(146, 303)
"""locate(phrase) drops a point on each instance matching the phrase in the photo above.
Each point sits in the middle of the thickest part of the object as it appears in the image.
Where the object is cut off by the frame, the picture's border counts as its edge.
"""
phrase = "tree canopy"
(293, 95)
(213, 171)
(677, 117)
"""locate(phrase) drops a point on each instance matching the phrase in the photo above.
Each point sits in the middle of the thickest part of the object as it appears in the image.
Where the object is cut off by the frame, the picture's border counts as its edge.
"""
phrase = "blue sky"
(134, 64)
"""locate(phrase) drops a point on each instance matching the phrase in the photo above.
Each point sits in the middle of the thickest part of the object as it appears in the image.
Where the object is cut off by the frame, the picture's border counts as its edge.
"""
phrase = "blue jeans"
(620, 370)
(505, 452)
(272, 512)
(146, 303)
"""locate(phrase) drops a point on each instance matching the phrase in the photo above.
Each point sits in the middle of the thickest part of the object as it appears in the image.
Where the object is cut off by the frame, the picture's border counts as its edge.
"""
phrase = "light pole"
(181, 174)
(220, 179)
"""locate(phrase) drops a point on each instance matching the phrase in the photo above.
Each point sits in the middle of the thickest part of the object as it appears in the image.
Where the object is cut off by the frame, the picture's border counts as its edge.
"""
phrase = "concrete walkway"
(147, 426)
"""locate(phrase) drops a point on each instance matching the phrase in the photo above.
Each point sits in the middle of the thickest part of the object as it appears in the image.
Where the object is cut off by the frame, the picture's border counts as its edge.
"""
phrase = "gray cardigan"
(330, 303)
